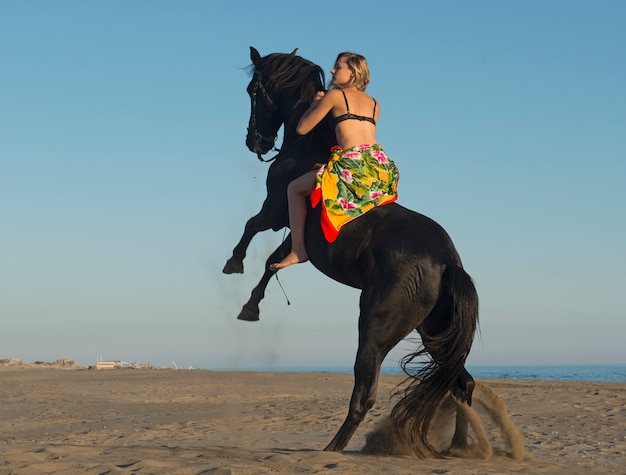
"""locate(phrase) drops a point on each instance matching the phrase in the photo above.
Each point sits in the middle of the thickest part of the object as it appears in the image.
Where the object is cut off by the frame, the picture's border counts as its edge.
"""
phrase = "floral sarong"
(351, 183)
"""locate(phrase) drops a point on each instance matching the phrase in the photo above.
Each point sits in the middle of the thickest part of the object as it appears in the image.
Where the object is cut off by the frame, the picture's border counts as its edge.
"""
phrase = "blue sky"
(125, 181)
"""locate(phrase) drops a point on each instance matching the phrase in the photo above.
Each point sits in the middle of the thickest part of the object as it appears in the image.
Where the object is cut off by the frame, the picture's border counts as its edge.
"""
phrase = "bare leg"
(297, 191)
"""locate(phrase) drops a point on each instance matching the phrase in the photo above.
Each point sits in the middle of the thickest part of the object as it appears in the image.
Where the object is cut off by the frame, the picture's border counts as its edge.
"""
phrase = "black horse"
(410, 275)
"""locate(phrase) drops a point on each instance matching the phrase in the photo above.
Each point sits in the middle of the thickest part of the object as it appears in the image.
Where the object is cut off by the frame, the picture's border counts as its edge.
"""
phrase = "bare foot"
(292, 258)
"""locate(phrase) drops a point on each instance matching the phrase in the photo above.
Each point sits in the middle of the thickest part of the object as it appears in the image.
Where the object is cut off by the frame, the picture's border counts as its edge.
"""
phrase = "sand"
(137, 421)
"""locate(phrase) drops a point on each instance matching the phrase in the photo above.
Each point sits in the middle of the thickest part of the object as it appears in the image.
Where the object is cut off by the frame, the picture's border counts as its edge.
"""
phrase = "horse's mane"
(286, 71)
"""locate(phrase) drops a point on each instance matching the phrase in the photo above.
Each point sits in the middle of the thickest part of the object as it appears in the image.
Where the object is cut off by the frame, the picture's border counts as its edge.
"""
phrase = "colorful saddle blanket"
(351, 183)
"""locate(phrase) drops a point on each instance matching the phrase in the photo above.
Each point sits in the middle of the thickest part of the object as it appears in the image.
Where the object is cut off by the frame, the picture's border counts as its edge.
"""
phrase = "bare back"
(358, 105)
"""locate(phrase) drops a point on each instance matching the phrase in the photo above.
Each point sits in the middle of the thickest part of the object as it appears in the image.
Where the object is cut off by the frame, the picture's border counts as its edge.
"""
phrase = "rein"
(291, 145)
(258, 137)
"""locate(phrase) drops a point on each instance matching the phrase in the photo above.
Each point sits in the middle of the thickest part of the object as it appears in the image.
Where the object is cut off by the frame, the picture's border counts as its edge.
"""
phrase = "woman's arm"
(319, 108)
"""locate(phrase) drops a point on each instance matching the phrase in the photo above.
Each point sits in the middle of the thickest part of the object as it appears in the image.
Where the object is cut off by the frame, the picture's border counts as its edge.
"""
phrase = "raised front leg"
(250, 311)
(273, 213)
(256, 224)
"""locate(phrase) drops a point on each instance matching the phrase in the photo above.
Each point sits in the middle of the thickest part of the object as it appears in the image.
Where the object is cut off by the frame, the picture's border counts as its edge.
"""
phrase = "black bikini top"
(348, 115)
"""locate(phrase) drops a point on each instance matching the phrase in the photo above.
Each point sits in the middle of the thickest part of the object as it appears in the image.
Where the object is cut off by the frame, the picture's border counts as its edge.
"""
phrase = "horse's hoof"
(463, 392)
(458, 442)
(332, 448)
(248, 314)
(233, 266)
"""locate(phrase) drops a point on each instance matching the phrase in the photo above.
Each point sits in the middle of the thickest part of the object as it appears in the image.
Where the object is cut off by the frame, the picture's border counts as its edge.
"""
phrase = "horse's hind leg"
(250, 311)
(462, 387)
(366, 369)
(462, 390)
(382, 325)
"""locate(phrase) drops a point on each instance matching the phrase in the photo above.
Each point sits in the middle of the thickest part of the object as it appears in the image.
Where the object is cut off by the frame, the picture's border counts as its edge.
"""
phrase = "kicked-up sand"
(138, 421)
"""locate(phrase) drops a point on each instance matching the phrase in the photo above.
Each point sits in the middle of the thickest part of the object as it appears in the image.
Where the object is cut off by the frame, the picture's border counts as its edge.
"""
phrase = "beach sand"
(137, 421)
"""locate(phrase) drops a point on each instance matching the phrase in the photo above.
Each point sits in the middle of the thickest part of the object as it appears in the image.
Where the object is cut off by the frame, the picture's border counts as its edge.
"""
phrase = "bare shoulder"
(373, 99)
(332, 99)
(370, 98)
(333, 95)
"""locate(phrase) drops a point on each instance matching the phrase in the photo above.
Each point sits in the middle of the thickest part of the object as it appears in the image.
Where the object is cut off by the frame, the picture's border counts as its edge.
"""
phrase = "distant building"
(111, 364)
(119, 364)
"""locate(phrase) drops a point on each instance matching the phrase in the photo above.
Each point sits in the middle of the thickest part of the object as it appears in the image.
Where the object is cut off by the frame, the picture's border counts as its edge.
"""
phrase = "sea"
(597, 373)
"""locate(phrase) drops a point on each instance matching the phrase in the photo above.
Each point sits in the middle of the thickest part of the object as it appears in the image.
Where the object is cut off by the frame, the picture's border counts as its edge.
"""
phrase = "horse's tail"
(456, 315)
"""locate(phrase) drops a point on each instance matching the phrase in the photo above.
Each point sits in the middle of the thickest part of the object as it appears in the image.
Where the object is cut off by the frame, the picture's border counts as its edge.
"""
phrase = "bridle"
(259, 138)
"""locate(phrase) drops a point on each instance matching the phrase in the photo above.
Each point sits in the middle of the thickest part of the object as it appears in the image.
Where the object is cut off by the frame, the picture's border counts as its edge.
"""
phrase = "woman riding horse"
(359, 175)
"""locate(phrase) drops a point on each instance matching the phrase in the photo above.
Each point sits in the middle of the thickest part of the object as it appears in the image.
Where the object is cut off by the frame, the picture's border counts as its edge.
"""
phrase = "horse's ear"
(255, 56)
(294, 51)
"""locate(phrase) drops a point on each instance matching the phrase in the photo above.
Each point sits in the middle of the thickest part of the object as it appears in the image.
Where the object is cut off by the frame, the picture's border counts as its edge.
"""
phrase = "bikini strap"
(345, 99)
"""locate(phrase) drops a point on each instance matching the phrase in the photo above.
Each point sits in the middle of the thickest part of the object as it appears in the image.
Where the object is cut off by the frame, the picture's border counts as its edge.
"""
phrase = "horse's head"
(264, 118)
(280, 83)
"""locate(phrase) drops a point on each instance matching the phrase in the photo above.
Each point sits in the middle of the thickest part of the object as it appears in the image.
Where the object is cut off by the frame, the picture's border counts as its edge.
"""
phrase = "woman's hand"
(321, 105)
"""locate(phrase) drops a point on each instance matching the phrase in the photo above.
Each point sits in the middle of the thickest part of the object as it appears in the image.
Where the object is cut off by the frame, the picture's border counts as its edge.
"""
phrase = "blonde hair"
(358, 65)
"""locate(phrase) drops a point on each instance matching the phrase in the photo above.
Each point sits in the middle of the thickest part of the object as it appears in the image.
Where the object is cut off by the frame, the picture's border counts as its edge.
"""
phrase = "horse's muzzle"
(258, 143)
